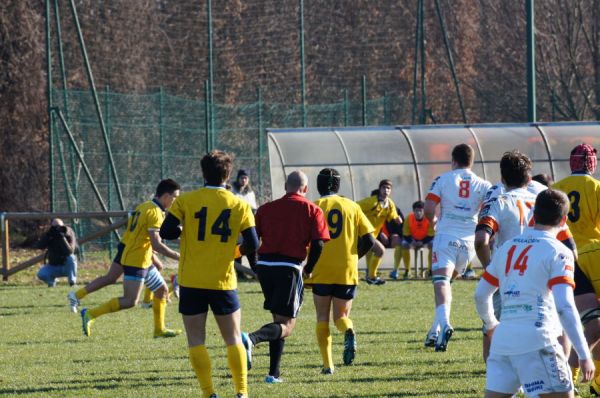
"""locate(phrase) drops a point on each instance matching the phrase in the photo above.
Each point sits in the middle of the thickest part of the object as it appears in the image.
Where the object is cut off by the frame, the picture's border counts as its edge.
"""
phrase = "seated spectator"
(417, 233)
(60, 244)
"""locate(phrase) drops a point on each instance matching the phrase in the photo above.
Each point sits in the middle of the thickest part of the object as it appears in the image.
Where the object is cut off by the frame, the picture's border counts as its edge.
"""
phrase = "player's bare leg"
(110, 278)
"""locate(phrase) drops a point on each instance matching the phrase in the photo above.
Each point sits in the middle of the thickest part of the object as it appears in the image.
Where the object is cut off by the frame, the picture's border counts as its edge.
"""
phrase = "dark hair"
(515, 168)
(551, 206)
(166, 186)
(375, 192)
(216, 167)
(542, 179)
(418, 205)
(385, 181)
(462, 154)
(328, 181)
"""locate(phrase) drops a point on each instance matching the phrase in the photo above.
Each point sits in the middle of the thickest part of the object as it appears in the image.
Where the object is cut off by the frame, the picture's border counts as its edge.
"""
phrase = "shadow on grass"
(101, 384)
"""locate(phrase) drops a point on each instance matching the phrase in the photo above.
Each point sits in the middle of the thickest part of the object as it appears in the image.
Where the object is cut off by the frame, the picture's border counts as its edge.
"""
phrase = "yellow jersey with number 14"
(138, 249)
(212, 218)
(583, 191)
(338, 263)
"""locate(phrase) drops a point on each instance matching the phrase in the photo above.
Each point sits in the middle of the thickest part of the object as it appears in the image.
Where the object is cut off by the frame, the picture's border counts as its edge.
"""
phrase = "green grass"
(44, 353)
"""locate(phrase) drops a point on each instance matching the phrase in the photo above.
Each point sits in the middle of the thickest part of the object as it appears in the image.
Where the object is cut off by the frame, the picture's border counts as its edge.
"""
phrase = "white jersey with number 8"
(460, 193)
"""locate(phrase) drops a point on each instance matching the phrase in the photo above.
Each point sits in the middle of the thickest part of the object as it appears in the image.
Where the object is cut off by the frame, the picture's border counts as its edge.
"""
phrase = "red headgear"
(583, 158)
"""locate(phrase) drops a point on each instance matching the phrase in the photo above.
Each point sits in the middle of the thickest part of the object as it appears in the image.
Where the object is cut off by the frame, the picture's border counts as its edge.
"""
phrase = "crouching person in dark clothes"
(60, 244)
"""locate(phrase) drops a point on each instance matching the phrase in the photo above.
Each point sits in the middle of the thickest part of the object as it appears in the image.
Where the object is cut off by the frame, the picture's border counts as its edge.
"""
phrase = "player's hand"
(306, 275)
(587, 370)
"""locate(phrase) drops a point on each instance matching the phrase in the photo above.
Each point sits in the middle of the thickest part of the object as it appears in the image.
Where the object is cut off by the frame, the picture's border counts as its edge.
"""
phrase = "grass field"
(44, 353)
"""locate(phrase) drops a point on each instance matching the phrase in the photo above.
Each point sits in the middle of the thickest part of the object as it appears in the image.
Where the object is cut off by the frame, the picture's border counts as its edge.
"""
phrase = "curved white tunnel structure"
(412, 156)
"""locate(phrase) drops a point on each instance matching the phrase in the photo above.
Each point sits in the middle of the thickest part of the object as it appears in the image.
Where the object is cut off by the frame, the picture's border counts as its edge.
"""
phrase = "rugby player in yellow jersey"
(379, 209)
(134, 260)
(212, 218)
(335, 276)
(583, 219)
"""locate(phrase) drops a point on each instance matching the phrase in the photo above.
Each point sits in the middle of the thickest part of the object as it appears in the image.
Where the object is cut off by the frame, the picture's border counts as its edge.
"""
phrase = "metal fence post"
(161, 132)
(302, 65)
(92, 84)
(364, 100)
(260, 135)
(210, 96)
(346, 108)
(50, 114)
(531, 94)
(207, 115)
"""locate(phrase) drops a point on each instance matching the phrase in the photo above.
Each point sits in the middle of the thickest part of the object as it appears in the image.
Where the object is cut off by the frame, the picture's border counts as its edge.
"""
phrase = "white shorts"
(539, 372)
(451, 252)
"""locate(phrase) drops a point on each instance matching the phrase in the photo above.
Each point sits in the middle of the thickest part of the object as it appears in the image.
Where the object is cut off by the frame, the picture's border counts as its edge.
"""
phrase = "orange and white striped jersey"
(460, 193)
(524, 269)
(508, 214)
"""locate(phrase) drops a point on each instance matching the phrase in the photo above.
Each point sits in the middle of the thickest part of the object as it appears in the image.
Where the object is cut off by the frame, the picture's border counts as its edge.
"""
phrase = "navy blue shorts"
(196, 301)
(343, 292)
(282, 288)
(134, 273)
(120, 249)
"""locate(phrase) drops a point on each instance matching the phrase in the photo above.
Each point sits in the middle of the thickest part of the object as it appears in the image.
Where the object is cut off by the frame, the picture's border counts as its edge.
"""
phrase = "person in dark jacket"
(60, 244)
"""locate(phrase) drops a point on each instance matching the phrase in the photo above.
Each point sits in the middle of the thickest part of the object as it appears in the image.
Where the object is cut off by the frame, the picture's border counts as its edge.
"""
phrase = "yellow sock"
(343, 324)
(111, 305)
(597, 371)
(374, 264)
(81, 293)
(201, 365)
(324, 340)
(406, 259)
(429, 257)
(159, 307)
(398, 256)
(575, 373)
(148, 295)
(236, 359)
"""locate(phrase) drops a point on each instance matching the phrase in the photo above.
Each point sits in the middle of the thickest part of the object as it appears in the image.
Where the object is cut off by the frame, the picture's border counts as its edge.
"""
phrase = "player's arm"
(485, 229)
(482, 245)
(159, 246)
(430, 206)
(250, 246)
(483, 301)
(368, 242)
(316, 248)
(170, 228)
(567, 313)
(157, 263)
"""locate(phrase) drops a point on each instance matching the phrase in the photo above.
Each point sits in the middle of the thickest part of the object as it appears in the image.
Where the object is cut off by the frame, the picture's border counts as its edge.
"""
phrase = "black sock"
(275, 352)
(269, 332)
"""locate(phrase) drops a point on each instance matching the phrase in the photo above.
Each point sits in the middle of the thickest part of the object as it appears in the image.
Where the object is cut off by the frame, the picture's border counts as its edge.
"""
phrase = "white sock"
(442, 314)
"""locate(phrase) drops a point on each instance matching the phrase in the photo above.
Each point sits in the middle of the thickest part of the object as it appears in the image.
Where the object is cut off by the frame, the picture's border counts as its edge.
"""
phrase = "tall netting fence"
(159, 135)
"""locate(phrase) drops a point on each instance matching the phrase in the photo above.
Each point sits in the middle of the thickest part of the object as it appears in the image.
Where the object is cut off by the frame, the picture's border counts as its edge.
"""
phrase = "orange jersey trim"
(433, 197)
(564, 234)
(489, 222)
(561, 279)
(492, 280)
